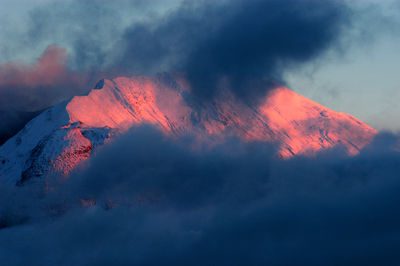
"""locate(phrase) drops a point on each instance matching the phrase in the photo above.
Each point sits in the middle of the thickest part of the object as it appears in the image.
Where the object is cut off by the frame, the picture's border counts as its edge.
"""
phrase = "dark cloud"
(167, 201)
(245, 44)
(164, 44)
(263, 39)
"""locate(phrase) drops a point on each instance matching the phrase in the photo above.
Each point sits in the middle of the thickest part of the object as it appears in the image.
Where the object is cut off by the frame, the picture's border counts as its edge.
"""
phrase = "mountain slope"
(60, 138)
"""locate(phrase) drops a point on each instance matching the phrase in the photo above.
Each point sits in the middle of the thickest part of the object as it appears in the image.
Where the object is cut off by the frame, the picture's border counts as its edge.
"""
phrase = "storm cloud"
(159, 200)
(244, 45)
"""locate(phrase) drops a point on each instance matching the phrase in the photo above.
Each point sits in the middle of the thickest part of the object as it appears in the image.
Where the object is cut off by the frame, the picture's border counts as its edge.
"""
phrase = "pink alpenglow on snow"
(62, 137)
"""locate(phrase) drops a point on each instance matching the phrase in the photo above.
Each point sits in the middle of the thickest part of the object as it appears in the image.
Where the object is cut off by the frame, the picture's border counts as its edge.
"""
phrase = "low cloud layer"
(166, 201)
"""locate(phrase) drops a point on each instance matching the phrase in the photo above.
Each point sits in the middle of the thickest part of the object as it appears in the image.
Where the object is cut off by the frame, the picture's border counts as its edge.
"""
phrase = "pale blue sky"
(365, 81)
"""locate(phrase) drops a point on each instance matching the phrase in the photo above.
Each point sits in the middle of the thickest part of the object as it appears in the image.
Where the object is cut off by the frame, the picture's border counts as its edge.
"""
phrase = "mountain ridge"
(65, 135)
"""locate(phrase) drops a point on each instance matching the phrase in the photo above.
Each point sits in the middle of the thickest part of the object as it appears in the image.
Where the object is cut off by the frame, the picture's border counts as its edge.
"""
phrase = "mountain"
(12, 121)
(60, 138)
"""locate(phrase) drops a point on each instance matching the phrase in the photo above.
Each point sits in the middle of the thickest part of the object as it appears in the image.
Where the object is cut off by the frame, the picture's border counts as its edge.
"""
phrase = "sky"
(347, 60)
(365, 81)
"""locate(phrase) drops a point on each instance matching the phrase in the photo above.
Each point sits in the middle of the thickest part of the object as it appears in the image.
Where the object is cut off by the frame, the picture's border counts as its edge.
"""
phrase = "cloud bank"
(158, 200)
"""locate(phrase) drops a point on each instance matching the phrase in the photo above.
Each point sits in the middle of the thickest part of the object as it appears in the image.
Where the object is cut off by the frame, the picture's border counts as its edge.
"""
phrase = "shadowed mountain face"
(62, 137)
(12, 121)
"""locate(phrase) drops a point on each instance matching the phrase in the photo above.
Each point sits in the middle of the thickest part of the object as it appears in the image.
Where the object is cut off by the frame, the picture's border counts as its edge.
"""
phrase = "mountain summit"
(63, 136)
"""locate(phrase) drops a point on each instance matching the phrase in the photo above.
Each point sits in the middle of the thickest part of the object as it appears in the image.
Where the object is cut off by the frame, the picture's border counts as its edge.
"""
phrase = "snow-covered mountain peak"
(63, 136)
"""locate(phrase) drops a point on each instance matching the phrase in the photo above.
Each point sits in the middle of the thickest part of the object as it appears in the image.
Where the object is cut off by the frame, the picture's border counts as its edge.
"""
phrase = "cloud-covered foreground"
(158, 201)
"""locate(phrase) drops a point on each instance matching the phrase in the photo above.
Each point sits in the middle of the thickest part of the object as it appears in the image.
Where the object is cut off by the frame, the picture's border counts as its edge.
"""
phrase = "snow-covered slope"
(63, 136)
